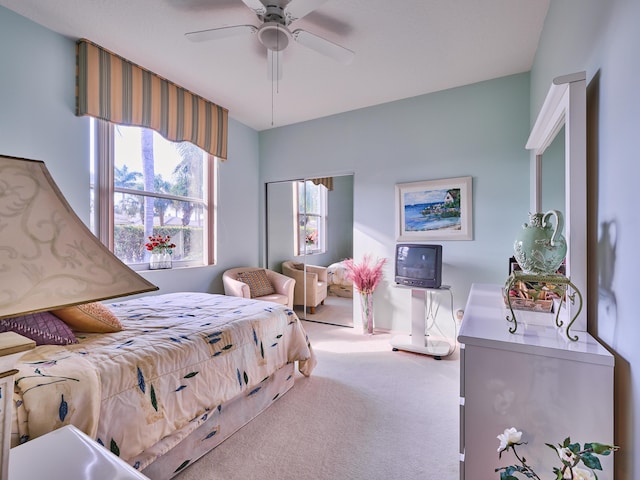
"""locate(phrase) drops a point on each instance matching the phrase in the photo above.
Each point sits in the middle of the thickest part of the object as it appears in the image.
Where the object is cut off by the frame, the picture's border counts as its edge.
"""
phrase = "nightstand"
(12, 346)
(68, 454)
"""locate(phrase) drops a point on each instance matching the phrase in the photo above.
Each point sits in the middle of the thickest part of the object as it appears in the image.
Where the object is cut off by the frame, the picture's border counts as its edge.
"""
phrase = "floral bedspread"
(179, 356)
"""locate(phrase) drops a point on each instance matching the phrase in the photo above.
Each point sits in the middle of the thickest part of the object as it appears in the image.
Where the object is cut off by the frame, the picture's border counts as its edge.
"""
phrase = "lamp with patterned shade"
(48, 259)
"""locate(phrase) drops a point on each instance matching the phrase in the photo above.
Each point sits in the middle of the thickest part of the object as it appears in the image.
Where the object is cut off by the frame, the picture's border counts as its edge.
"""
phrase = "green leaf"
(227, 347)
(114, 448)
(504, 476)
(508, 473)
(574, 447)
(184, 464)
(191, 375)
(553, 447)
(154, 400)
(246, 378)
(591, 461)
(261, 349)
(599, 448)
(566, 442)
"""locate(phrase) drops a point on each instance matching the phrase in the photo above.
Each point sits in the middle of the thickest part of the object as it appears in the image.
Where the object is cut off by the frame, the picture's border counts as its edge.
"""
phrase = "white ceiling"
(403, 48)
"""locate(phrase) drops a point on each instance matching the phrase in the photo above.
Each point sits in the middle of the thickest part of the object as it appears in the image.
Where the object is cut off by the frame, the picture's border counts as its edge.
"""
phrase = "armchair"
(316, 283)
(282, 285)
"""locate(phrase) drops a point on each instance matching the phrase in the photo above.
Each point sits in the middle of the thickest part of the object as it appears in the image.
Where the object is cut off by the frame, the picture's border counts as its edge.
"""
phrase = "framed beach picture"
(434, 210)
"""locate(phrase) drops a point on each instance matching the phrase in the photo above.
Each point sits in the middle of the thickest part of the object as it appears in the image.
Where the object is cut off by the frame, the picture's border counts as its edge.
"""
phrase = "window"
(311, 210)
(151, 186)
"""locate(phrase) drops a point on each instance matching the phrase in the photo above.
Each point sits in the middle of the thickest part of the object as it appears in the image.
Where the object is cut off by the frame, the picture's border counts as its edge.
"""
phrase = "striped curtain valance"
(111, 88)
(326, 181)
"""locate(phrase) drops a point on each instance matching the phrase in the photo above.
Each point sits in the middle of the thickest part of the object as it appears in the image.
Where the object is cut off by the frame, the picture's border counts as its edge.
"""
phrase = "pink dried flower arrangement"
(367, 275)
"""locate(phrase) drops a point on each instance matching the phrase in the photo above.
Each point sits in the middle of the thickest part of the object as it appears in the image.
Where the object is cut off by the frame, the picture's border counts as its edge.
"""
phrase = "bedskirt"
(214, 427)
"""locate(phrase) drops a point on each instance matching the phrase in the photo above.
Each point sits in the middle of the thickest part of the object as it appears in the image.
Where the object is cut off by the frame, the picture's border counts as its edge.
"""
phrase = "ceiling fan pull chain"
(272, 94)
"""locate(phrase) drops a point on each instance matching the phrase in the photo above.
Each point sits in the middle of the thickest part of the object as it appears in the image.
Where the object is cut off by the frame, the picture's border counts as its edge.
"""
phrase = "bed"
(187, 371)
(339, 284)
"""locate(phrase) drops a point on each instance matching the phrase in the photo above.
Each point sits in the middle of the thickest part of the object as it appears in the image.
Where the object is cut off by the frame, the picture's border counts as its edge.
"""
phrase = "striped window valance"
(112, 88)
(326, 181)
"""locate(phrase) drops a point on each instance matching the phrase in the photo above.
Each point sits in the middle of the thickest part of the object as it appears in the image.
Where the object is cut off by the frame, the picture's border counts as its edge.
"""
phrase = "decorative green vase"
(540, 247)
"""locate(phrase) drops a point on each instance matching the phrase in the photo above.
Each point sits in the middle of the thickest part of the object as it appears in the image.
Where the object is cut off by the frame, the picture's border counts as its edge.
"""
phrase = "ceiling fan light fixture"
(274, 36)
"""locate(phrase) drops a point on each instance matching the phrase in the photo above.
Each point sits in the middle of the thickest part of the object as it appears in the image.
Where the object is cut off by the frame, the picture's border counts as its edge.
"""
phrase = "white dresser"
(535, 380)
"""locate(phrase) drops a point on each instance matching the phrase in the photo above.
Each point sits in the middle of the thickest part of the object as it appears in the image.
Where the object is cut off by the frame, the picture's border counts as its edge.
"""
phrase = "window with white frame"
(311, 211)
(151, 186)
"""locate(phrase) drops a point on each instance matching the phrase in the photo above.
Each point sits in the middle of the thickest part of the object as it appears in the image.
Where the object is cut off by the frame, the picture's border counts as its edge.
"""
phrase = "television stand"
(425, 303)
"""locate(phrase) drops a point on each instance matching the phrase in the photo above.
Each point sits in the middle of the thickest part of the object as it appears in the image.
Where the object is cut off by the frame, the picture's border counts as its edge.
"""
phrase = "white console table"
(425, 304)
(536, 380)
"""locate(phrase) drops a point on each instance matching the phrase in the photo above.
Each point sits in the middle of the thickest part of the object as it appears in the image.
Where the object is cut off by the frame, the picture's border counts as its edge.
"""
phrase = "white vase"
(366, 301)
(159, 261)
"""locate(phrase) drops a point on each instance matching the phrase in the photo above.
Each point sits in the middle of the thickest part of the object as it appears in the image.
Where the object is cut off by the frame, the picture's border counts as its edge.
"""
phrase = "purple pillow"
(44, 328)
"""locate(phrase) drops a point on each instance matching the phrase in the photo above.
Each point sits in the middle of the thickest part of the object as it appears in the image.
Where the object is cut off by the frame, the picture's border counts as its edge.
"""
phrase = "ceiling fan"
(276, 16)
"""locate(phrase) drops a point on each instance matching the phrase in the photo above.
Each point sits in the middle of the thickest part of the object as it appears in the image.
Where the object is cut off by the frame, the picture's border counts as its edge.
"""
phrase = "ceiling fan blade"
(256, 5)
(299, 8)
(274, 65)
(323, 46)
(223, 32)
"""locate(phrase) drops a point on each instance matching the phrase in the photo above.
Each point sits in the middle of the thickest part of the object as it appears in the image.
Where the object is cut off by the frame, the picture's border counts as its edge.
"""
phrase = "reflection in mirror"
(295, 250)
(553, 174)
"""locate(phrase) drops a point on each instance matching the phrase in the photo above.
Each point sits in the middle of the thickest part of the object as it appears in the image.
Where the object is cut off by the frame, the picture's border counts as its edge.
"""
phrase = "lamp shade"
(48, 257)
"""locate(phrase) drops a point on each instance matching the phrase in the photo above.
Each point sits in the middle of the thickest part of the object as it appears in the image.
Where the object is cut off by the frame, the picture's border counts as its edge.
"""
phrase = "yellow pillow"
(89, 317)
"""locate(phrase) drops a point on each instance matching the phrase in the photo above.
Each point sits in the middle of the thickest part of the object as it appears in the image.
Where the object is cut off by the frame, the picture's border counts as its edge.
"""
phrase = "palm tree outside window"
(159, 187)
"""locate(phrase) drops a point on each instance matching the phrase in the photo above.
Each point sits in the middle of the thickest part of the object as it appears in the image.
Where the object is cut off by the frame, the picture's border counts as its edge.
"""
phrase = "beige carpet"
(366, 413)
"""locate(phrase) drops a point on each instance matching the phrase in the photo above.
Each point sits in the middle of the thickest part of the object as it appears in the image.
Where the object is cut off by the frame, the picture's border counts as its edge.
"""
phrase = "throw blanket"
(180, 356)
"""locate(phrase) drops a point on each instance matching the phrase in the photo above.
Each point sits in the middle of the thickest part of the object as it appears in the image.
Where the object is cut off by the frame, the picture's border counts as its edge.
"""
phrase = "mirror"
(562, 120)
(290, 221)
(552, 188)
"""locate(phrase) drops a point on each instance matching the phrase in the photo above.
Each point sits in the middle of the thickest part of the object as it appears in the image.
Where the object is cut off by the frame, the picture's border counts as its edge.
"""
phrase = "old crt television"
(419, 265)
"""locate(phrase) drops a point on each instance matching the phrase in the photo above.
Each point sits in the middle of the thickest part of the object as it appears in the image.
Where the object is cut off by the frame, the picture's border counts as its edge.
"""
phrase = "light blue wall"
(602, 38)
(37, 121)
(37, 100)
(478, 130)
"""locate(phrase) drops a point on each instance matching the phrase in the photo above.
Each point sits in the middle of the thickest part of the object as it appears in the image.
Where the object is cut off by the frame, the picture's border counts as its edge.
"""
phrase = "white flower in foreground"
(578, 474)
(566, 455)
(510, 437)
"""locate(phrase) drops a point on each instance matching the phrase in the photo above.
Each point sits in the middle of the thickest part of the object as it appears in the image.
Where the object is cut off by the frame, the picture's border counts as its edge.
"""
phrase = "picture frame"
(435, 210)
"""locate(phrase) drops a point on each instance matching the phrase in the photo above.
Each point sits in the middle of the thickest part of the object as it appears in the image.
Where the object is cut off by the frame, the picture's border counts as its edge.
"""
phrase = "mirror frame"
(566, 105)
(305, 256)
